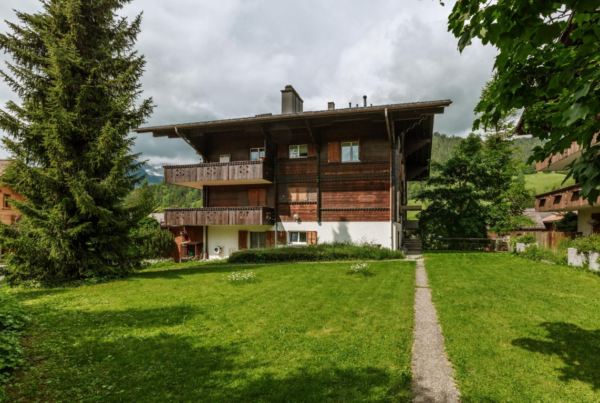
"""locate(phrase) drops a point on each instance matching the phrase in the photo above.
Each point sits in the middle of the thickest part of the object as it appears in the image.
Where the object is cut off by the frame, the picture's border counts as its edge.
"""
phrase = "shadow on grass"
(578, 348)
(89, 356)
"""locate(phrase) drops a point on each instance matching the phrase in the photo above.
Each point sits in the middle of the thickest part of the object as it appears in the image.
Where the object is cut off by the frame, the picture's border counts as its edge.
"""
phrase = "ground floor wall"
(227, 238)
(588, 220)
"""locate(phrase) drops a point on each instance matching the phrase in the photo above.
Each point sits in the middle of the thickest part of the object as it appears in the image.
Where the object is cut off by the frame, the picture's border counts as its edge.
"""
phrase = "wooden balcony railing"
(559, 161)
(565, 199)
(220, 173)
(220, 216)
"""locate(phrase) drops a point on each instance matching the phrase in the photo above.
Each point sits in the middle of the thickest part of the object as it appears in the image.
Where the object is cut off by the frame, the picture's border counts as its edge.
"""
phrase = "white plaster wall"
(374, 232)
(584, 216)
(227, 236)
(379, 232)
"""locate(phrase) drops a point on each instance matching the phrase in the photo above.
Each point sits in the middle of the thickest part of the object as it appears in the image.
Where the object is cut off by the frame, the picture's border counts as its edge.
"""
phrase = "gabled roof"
(268, 118)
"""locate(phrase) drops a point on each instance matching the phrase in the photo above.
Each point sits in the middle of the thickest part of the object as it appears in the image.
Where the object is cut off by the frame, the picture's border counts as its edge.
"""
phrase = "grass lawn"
(545, 182)
(302, 333)
(518, 330)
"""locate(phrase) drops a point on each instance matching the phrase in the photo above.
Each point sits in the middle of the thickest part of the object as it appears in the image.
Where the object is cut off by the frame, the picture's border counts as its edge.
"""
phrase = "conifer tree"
(77, 74)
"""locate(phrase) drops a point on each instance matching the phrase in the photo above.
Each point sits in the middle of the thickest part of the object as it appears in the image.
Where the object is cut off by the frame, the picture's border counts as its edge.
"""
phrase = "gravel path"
(433, 379)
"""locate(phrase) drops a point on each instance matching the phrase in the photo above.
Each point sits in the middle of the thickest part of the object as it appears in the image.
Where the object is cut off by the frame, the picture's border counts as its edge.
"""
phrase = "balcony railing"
(559, 161)
(220, 173)
(565, 199)
(220, 216)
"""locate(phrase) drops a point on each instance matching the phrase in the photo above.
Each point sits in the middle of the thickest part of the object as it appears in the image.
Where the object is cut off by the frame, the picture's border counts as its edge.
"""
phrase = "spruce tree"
(76, 71)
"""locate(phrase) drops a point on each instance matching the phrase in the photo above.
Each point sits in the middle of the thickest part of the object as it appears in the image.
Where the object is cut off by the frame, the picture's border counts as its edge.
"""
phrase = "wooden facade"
(565, 199)
(8, 215)
(347, 165)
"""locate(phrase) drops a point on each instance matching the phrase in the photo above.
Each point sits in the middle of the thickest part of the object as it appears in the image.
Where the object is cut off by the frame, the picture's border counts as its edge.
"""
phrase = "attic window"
(299, 151)
(557, 199)
(542, 202)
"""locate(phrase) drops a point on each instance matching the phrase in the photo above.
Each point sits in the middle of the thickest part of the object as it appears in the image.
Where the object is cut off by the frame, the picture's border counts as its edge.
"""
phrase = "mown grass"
(517, 330)
(298, 333)
(542, 182)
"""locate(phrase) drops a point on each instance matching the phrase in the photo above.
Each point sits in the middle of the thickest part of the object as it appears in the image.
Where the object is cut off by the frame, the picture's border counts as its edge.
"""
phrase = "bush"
(568, 223)
(526, 239)
(537, 253)
(585, 244)
(326, 252)
(12, 322)
(156, 243)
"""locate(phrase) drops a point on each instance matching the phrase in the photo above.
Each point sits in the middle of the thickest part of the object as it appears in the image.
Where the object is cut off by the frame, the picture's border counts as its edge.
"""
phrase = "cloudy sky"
(221, 59)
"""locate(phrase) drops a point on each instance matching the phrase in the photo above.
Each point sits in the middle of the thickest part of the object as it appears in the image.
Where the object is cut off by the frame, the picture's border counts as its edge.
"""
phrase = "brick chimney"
(290, 100)
(330, 106)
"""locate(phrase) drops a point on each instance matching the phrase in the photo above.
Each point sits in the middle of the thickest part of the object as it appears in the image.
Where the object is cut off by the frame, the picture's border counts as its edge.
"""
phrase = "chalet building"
(7, 214)
(567, 198)
(299, 177)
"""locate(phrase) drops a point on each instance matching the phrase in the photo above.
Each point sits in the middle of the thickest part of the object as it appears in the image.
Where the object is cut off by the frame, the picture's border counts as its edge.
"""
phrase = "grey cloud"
(210, 60)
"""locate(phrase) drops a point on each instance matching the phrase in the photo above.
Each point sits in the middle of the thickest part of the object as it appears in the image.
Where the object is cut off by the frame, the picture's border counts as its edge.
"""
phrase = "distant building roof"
(3, 165)
(537, 219)
(552, 217)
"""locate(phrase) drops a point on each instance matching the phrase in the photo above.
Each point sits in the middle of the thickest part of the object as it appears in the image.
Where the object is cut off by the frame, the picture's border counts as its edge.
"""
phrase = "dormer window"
(299, 151)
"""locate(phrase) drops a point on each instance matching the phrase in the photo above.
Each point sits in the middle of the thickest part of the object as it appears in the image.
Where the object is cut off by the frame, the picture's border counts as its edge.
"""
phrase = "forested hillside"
(168, 195)
(443, 147)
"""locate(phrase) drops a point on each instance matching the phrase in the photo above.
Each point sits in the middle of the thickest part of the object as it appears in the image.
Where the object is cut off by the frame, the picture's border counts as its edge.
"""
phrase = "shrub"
(241, 277)
(12, 322)
(585, 244)
(360, 268)
(568, 223)
(156, 243)
(528, 238)
(325, 252)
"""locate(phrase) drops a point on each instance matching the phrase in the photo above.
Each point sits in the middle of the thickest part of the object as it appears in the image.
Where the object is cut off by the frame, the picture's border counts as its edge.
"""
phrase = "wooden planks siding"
(220, 216)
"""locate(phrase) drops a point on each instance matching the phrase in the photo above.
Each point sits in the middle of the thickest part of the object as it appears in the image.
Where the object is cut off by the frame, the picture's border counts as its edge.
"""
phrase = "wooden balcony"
(559, 161)
(220, 216)
(565, 199)
(218, 173)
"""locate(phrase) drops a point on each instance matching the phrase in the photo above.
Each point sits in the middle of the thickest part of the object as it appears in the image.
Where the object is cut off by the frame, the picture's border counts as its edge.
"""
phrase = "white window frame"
(299, 236)
(353, 158)
(226, 157)
(297, 148)
(259, 150)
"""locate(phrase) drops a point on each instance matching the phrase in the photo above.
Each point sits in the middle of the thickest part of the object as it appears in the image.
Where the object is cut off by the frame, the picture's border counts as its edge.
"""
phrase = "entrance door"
(257, 240)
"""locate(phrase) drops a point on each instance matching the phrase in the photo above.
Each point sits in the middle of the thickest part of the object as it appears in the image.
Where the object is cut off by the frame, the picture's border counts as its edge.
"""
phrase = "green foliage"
(12, 322)
(473, 190)
(548, 63)
(167, 195)
(585, 244)
(568, 223)
(326, 252)
(77, 74)
(155, 243)
(527, 238)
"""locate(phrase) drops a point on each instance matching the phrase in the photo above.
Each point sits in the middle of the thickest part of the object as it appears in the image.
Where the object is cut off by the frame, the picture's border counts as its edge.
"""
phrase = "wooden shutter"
(242, 240)
(253, 197)
(270, 239)
(283, 151)
(312, 150)
(282, 237)
(333, 151)
(262, 197)
(311, 237)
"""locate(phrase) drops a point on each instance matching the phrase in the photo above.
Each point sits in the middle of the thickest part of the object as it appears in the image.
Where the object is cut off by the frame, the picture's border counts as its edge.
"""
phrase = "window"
(7, 202)
(299, 151)
(298, 194)
(257, 240)
(225, 158)
(350, 151)
(298, 238)
(256, 154)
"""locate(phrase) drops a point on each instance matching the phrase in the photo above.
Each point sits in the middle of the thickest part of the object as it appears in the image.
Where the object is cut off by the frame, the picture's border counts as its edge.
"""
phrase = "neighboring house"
(567, 198)
(7, 214)
(300, 177)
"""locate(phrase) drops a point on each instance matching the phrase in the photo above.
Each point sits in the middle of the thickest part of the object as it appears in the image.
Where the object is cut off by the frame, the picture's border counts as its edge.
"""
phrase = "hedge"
(326, 252)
